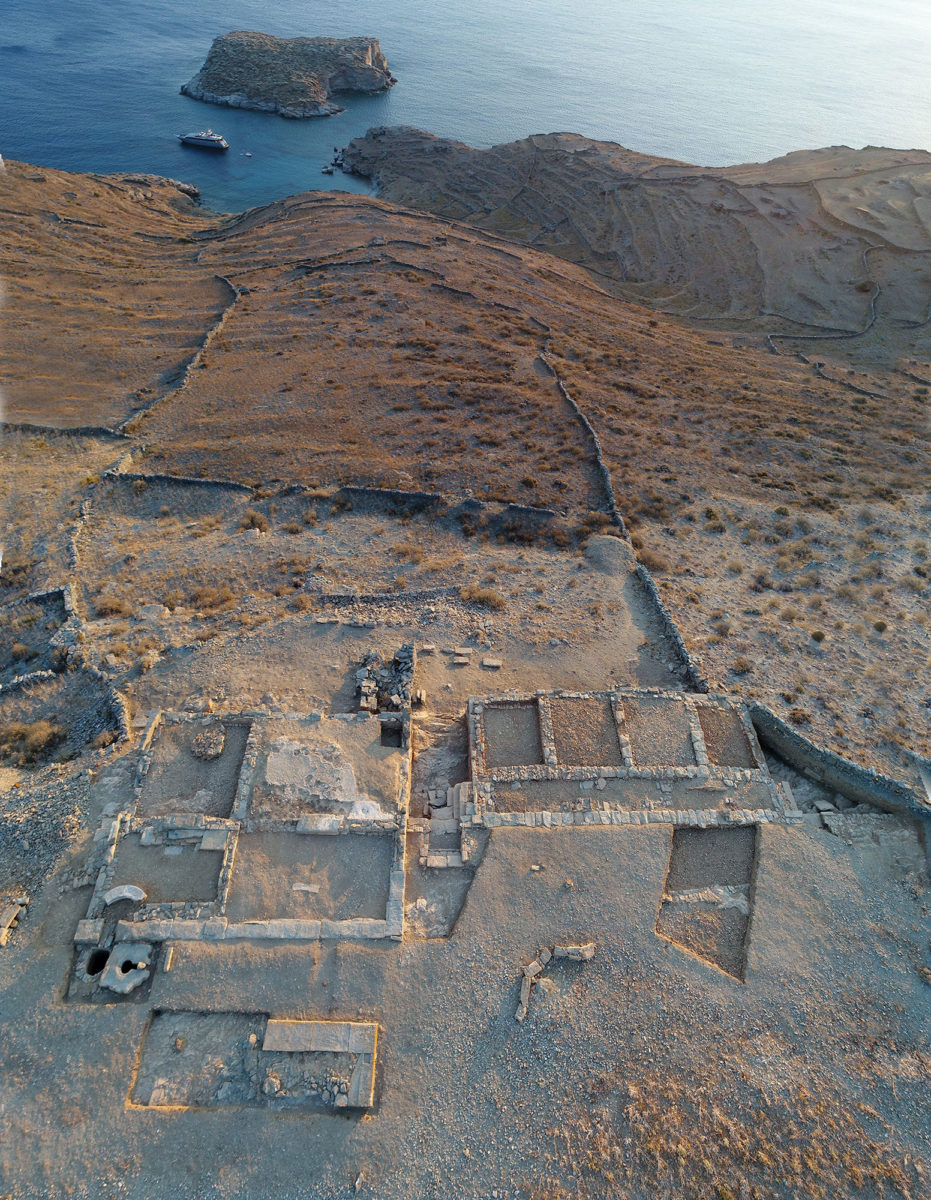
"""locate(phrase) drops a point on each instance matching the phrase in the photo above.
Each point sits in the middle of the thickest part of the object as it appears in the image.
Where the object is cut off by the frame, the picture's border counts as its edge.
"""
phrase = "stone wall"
(860, 784)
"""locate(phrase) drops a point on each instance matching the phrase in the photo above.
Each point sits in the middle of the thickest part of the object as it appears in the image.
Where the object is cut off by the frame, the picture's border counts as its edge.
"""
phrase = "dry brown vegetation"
(42, 479)
(92, 325)
(23, 744)
(678, 1135)
(377, 346)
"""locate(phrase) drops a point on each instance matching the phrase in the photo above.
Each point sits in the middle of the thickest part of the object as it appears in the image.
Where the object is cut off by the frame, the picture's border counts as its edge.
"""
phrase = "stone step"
(445, 858)
(457, 795)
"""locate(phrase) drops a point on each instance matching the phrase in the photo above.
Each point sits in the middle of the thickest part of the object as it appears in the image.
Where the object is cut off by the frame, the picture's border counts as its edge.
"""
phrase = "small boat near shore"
(206, 139)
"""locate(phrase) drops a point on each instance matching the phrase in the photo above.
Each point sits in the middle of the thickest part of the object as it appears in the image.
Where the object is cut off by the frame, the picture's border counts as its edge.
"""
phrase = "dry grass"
(112, 311)
(23, 744)
(485, 597)
(682, 1136)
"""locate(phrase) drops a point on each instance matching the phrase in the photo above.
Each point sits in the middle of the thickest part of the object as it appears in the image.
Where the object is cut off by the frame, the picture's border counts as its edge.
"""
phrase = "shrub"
(409, 552)
(817, 635)
(485, 596)
(880, 626)
(23, 744)
(741, 665)
(653, 560)
(112, 606)
(254, 520)
(209, 597)
(292, 527)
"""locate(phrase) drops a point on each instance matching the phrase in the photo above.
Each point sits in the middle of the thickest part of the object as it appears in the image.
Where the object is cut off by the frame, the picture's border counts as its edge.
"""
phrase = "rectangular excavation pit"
(585, 731)
(659, 731)
(180, 779)
(725, 737)
(512, 735)
(175, 873)
(314, 876)
(216, 1060)
(707, 896)
(329, 766)
(710, 932)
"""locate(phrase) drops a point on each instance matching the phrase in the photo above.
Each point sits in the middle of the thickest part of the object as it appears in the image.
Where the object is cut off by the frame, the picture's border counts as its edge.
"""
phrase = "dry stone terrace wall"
(860, 784)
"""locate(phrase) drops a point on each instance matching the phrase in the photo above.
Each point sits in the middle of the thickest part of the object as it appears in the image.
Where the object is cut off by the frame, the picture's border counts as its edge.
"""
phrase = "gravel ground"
(39, 819)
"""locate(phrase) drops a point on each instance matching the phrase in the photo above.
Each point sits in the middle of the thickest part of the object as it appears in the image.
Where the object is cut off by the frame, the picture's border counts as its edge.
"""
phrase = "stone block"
(89, 931)
(581, 953)
(125, 891)
(214, 839)
(319, 823)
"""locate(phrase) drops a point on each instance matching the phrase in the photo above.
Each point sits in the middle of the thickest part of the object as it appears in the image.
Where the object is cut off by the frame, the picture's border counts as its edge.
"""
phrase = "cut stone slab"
(127, 967)
(125, 891)
(214, 839)
(582, 953)
(89, 931)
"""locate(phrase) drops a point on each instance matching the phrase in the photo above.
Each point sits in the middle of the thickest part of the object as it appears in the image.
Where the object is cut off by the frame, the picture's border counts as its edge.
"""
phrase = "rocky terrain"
(825, 250)
(783, 510)
(312, 477)
(294, 77)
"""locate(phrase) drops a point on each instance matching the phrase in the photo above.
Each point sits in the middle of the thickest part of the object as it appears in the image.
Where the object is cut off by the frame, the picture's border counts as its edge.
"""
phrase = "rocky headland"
(831, 242)
(294, 77)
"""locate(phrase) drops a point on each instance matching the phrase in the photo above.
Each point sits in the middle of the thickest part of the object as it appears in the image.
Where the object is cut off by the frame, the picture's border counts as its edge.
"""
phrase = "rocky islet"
(293, 77)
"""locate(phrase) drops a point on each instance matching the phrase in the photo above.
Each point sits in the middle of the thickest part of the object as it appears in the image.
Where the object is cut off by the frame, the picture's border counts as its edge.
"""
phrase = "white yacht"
(206, 140)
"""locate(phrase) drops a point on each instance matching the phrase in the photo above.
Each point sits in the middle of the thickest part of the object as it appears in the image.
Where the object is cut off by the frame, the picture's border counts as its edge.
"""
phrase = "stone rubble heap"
(386, 687)
(532, 972)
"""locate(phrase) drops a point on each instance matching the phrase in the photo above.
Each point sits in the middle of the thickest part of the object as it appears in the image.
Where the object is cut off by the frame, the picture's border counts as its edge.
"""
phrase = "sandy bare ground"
(807, 1079)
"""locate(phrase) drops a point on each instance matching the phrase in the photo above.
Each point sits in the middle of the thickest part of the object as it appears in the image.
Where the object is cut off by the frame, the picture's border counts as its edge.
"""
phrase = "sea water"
(92, 85)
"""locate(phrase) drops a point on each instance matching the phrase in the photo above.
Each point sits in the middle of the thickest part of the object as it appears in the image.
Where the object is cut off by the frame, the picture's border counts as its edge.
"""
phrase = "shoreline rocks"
(293, 77)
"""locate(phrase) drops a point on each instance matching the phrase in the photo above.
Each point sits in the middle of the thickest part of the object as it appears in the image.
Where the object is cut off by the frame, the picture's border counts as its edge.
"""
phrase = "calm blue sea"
(92, 85)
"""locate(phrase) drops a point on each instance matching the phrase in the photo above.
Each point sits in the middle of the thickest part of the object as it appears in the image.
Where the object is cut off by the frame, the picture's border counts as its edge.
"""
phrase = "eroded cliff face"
(294, 77)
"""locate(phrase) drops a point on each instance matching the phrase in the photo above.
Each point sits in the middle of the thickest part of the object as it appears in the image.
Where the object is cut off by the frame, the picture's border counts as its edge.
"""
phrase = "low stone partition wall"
(691, 818)
(219, 929)
(693, 672)
(101, 431)
(227, 485)
(860, 784)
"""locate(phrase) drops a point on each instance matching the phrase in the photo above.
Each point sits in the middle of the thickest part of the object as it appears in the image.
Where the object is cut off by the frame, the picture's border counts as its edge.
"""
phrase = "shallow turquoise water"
(93, 86)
